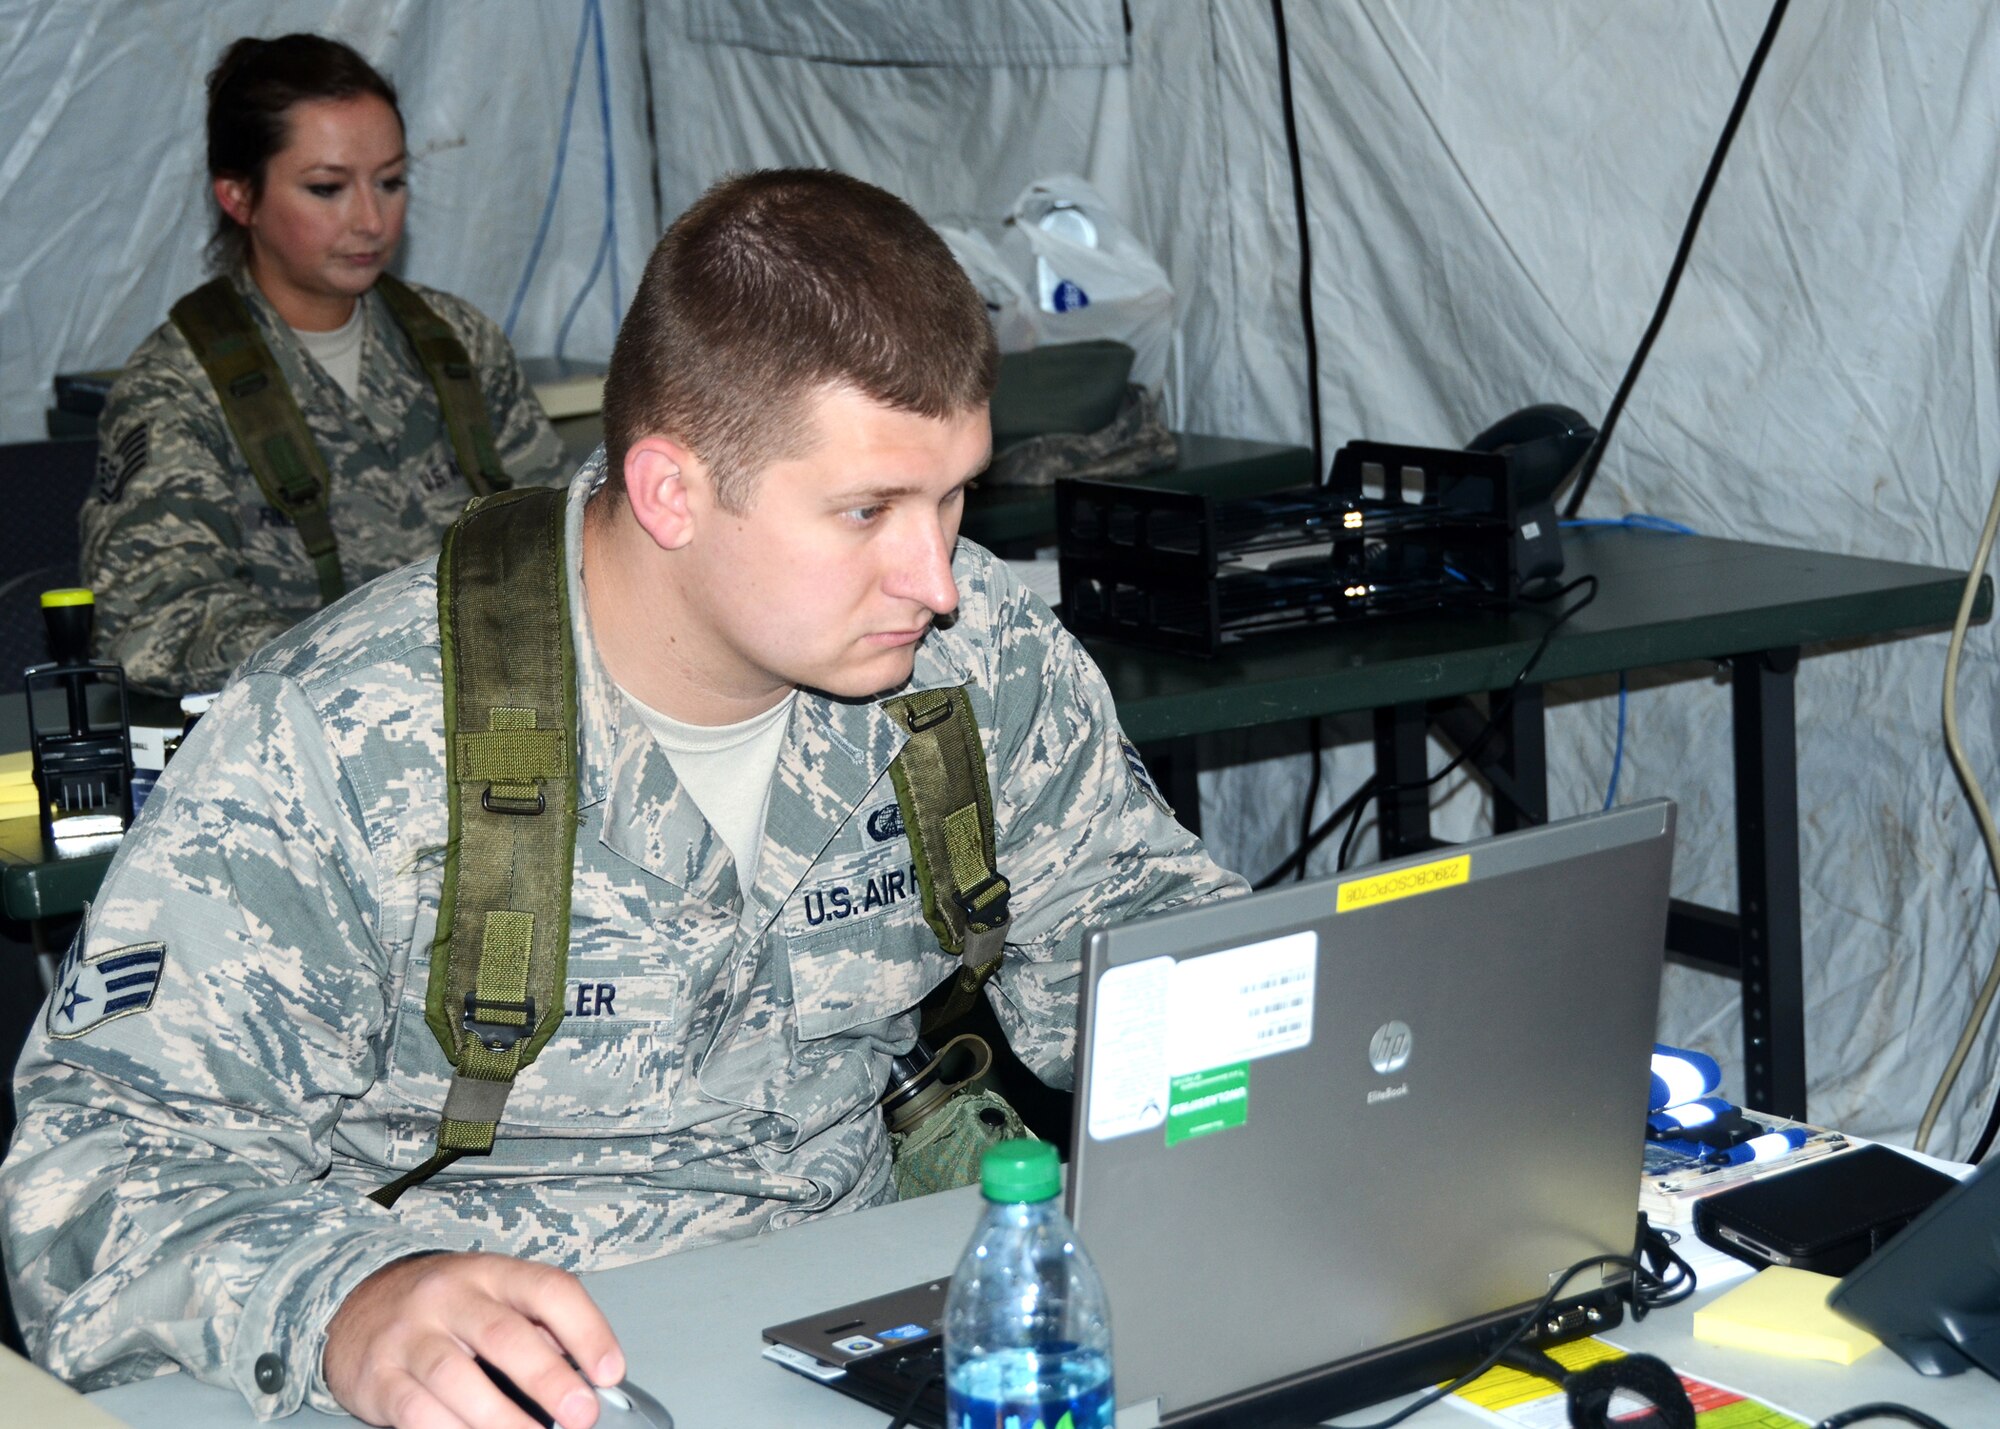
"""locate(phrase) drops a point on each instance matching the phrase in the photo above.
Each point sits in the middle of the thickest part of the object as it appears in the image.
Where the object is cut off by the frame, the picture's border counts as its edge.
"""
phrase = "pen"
(1768, 1147)
(1696, 1175)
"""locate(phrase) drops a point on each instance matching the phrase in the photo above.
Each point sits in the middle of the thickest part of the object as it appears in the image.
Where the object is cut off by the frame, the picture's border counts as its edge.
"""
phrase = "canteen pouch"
(943, 1112)
(944, 1151)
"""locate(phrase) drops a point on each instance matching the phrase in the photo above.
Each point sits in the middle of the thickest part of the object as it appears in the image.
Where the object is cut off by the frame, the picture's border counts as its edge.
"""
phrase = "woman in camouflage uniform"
(194, 564)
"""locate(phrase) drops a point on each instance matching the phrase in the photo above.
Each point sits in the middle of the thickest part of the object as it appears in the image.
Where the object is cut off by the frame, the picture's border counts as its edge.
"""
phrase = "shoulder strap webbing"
(502, 945)
(501, 952)
(947, 810)
(268, 426)
(445, 362)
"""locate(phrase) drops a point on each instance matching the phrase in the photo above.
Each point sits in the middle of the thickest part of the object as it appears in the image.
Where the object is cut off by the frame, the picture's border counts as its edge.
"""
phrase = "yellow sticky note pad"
(17, 767)
(1781, 1311)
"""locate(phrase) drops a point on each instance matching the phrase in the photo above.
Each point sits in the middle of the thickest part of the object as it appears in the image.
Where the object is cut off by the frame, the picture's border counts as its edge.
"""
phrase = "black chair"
(42, 484)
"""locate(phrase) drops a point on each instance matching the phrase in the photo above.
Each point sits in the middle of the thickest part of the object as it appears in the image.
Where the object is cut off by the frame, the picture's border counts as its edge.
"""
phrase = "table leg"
(1402, 815)
(1767, 878)
(1523, 763)
(1512, 752)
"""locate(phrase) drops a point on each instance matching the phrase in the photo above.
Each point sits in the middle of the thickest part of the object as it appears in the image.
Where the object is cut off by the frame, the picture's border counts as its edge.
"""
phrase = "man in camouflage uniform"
(192, 566)
(236, 1054)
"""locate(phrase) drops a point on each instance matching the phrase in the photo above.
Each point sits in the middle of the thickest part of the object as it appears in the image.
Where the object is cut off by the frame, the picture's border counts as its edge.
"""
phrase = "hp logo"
(1389, 1048)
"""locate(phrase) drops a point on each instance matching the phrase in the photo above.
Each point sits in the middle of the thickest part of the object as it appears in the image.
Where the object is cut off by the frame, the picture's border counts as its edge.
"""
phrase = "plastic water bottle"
(1027, 1332)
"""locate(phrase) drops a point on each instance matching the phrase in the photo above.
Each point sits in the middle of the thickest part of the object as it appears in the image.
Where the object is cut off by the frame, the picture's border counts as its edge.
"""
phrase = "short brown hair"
(251, 92)
(772, 287)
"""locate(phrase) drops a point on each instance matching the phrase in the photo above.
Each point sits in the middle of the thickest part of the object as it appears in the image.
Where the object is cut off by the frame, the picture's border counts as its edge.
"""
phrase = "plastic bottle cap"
(67, 595)
(1066, 220)
(1021, 1170)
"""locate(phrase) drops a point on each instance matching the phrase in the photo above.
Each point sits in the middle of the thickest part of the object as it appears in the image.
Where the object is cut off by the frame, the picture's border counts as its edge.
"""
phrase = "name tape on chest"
(861, 892)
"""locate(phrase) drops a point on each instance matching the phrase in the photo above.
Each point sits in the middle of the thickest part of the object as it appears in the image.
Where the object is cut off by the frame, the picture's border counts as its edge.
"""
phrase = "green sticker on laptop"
(1203, 1102)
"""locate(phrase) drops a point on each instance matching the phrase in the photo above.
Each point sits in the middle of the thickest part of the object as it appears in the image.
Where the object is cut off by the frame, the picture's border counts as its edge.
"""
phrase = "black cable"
(1312, 794)
(1477, 744)
(1368, 793)
(1295, 860)
(1985, 1142)
(1307, 842)
(1659, 1278)
(1664, 1278)
(1305, 236)
(1879, 1411)
(1313, 840)
(1587, 468)
(1499, 1351)
(906, 1416)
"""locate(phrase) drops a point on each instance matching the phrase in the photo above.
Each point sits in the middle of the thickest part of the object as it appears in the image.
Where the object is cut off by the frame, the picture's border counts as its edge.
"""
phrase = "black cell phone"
(1827, 1216)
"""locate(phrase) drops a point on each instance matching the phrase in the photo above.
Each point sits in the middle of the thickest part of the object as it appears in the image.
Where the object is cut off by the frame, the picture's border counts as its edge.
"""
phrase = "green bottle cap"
(1021, 1171)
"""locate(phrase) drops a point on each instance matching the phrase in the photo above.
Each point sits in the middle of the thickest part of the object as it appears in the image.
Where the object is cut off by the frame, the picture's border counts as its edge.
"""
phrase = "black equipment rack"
(1394, 528)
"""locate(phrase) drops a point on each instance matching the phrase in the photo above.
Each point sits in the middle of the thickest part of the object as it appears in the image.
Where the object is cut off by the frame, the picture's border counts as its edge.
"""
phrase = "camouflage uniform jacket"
(197, 1142)
(193, 569)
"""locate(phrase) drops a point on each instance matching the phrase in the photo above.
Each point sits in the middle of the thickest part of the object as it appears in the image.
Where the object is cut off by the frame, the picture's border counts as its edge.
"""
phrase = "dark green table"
(34, 887)
(1662, 600)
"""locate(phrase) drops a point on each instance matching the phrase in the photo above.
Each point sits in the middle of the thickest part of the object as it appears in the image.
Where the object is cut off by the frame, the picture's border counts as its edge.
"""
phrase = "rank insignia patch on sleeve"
(116, 466)
(1144, 776)
(95, 990)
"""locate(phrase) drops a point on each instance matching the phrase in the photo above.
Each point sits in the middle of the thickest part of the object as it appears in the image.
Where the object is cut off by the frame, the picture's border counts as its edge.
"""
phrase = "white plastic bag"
(1007, 302)
(1091, 277)
(1067, 269)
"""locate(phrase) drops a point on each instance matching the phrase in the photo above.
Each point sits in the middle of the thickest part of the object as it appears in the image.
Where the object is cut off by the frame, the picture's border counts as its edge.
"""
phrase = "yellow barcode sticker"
(1403, 883)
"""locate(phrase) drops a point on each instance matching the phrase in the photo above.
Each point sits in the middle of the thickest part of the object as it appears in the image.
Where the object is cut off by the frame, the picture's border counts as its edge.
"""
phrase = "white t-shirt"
(339, 351)
(727, 769)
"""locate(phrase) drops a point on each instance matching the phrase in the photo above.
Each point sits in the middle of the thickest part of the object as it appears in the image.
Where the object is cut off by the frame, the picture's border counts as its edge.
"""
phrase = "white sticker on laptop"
(1128, 1049)
(1242, 1003)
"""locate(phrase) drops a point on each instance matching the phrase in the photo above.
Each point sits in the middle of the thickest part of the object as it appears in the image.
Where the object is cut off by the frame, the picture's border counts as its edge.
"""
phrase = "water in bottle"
(1027, 1332)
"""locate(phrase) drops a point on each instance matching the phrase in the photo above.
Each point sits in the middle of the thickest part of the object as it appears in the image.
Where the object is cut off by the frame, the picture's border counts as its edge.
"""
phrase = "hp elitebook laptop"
(1333, 1140)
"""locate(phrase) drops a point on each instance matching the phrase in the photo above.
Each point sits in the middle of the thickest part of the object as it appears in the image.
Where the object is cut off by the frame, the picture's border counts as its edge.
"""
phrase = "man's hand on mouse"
(400, 1349)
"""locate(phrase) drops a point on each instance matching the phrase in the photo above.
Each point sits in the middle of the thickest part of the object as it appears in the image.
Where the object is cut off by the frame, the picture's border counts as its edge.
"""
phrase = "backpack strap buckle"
(507, 804)
(985, 903)
(498, 1036)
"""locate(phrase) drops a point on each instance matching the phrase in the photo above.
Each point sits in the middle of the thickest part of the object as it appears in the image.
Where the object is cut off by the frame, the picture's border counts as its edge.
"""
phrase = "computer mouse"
(626, 1406)
(619, 1406)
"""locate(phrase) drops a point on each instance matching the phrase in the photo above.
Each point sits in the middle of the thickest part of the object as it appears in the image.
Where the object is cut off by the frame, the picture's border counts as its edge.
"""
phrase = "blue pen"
(1687, 1116)
(1681, 1076)
(1768, 1147)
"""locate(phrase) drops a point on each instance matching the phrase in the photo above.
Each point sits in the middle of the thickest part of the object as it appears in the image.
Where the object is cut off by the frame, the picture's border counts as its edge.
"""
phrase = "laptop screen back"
(1337, 1117)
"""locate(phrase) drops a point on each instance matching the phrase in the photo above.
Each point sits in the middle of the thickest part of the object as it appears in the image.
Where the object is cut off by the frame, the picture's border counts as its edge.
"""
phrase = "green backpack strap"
(445, 362)
(270, 431)
(502, 946)
(947, 809)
